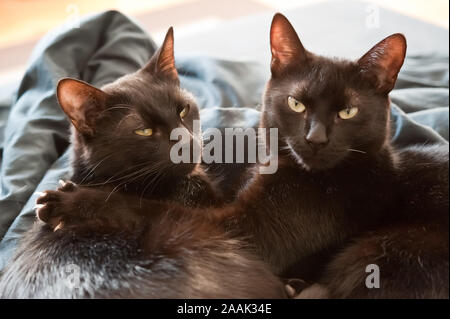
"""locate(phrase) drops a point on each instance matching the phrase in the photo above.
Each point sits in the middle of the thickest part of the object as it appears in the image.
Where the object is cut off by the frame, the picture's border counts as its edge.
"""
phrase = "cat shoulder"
(432, 158)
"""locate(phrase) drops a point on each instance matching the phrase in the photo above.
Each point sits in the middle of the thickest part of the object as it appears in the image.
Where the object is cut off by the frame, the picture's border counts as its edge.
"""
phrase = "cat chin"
(318, 165)
(314, 167)
(306, 166)
(304, 163)
(299, 160)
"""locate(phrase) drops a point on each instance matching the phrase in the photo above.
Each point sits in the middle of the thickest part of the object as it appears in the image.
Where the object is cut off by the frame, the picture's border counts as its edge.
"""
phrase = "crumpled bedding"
(34, 132)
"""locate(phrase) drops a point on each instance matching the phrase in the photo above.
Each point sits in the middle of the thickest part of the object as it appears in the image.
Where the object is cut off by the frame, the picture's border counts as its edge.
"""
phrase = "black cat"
(340, 184)
(121, 157)
(343, 198)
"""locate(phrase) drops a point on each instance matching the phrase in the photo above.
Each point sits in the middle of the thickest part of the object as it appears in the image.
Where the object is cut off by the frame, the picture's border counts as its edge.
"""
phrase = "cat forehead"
(353, 96)
(340, 79)
(321, 88)
(333, 74)
(154, 103)
(314, 93)
(147, 93)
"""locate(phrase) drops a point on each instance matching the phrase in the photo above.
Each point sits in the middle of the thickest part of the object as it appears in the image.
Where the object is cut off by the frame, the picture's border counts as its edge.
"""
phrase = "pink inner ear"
(162, 62)
(166, 64)
(81, 102)
(166, 58)
(385, 59)
(281, 47)
(285, 45)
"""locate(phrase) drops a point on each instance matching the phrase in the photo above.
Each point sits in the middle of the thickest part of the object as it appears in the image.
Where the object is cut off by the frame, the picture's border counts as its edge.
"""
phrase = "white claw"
(290, 291)
(59, 226)
(62, 183)
(40, 193)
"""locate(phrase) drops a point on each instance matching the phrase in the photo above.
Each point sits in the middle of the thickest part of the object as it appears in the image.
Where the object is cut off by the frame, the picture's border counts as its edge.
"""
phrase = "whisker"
(135, 176)
(113, 178)
(357, 151)
(155, 180)
(94, 168)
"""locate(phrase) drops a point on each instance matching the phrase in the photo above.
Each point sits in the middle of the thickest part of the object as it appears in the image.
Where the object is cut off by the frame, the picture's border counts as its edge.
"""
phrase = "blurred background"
(23, 22)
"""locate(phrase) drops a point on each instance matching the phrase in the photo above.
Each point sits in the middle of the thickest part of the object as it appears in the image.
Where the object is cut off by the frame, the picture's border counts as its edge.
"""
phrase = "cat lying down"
(121, 149)
(342, 199)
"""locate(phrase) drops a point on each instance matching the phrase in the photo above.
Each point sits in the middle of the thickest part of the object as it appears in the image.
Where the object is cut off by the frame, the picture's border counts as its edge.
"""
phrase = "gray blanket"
(34, 132)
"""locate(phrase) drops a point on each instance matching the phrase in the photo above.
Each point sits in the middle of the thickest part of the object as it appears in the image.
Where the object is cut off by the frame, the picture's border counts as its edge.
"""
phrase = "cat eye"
(184, 111)
(295, 105)
(348, 113)
(144, 132)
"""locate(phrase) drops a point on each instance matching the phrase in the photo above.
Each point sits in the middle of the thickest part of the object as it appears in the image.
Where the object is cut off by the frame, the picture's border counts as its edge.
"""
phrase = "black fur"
(332, 209)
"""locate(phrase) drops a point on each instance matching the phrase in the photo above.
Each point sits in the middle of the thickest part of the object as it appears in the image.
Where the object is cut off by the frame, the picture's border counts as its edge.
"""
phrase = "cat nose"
(317, 136)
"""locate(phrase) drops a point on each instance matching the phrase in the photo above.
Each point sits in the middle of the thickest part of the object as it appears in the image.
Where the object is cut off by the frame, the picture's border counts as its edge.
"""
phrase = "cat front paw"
(53, 206)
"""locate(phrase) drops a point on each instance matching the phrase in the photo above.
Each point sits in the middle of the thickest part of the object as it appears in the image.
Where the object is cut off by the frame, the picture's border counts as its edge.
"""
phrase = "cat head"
(122, 131)
(329, 110)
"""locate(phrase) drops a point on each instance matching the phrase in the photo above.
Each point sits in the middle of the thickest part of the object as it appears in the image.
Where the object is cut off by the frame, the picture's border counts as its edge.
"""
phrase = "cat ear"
(384, 60)
(163, 61)
(82, 103)
(287, 50)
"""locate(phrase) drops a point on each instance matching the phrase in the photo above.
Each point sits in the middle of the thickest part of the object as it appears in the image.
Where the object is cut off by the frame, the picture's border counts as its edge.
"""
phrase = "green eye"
(145, 132)
(295, 105)
(184, 111)
(348, 113)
